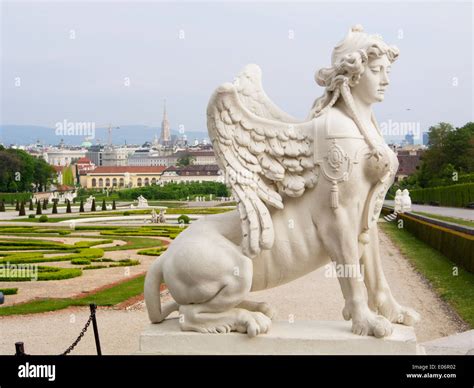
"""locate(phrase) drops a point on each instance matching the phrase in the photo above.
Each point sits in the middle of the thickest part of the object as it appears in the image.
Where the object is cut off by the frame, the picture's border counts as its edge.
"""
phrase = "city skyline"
(76, 68)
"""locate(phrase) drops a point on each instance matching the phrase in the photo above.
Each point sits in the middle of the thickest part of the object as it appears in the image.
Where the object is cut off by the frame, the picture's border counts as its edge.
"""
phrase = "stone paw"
(394, 312)
(372, 324)
(257, 323)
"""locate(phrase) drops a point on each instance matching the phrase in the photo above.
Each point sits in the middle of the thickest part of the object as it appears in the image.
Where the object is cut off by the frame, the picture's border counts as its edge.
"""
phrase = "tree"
(113, 205)
(68, 177)
(22, 209)
(450, 150)
(19, 171)
(185, 160)
(81, 207)
(17, 206)
(2, 206)
(93, 205)
(104, 207)
(31, 205)
(68, 207)
(55, 207)
(38, 208)
(45, 204)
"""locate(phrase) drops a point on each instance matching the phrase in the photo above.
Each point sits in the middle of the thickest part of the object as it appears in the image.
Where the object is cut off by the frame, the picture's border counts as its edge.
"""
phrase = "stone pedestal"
(298, 338)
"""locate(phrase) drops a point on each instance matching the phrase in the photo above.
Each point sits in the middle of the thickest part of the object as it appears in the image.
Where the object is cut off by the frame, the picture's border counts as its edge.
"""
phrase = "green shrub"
(152, 251)
(80, 261)
(43, 218)
(9, 291)
(9, 197)
(126, 213)
(31, 216)
(457, 246)
(94, 267)
(184, 219)
(455, 195)
(22, 211)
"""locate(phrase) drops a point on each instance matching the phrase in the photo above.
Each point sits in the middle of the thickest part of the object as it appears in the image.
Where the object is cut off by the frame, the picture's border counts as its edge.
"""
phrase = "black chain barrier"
(20, 349)
(78, 339)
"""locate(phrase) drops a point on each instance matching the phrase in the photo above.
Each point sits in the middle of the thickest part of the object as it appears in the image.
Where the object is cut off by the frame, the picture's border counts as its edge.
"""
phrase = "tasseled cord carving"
(334, 195)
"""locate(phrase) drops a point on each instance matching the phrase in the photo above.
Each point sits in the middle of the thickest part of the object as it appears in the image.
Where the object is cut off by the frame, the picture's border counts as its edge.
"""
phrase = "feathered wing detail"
(248, 84)
(263, 159)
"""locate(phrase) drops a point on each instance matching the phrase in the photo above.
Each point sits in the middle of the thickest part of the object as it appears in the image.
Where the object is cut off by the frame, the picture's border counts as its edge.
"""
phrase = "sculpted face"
(373, 82)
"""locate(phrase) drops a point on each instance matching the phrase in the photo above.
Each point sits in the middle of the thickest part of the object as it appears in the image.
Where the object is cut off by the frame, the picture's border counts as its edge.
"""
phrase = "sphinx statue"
(398, 202)
(406, 201)
(309, 192)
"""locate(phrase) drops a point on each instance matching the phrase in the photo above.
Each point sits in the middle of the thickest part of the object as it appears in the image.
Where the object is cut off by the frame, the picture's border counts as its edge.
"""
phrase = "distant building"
(115, 156)
(85, 165)
(123, 176)
(409, 139)
(63, 156)
(149, 157)
(108, 156)
(162, 157)
(193, 173)
(94, 154)
(409, 159)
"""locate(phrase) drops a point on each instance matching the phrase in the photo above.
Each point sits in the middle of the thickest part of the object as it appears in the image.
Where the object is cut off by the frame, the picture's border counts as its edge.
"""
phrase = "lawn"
(108, 297)
(453, 220)
(456, 289)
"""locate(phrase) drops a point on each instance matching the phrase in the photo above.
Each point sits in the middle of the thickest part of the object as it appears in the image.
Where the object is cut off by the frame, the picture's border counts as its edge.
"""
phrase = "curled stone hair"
(349, 61)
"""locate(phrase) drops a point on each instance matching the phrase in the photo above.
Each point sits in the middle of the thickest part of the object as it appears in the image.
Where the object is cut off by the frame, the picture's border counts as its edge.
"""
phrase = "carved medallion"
(335, 156)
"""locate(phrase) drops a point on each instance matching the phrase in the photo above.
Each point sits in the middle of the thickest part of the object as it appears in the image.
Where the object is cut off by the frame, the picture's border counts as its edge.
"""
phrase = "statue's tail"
(153, 280)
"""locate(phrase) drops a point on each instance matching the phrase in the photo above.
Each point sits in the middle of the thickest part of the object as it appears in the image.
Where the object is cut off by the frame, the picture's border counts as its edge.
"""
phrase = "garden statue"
(161, 217)
(89, 201)
(142, 202)
(154, 217)
(406, 201)
(308, 193)
(398, 202)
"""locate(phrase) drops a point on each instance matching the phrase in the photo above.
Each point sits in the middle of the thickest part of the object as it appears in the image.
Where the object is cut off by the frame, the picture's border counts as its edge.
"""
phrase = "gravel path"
(313, 297)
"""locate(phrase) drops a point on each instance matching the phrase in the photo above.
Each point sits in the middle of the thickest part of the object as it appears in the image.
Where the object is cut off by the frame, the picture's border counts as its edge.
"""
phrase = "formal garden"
(46, 266)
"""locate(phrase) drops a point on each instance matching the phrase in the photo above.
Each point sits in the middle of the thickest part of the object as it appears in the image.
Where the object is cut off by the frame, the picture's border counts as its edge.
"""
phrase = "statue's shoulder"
(340, 123)
(337, 123)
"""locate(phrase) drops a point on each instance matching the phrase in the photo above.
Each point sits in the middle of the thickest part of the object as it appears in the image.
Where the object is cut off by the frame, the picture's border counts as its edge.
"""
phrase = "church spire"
(165, 137)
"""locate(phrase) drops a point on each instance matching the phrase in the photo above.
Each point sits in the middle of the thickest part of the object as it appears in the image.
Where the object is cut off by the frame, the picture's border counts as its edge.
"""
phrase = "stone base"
(298, 338)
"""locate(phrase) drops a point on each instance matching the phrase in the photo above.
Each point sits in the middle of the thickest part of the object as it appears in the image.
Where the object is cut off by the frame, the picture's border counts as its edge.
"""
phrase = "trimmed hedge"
(8, 197)
(120, 263)
(80, 261)
(165, 231)
(9, 291)
(455, 245)
(454, 195)
(152, 251)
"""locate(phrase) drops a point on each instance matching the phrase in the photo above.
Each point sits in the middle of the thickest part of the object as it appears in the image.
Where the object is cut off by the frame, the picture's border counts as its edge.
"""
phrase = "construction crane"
(109, 132)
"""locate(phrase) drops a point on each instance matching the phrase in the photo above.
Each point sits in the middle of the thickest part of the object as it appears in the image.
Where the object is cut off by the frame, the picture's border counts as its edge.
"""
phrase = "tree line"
(21, 172)
(449, 159)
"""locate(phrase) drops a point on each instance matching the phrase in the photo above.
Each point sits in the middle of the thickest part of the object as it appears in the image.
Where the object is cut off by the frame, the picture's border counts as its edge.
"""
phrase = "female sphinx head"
(359, 70)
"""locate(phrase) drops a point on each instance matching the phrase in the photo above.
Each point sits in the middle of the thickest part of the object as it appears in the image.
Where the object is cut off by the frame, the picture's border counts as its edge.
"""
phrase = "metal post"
(93, 308)
(20, 349)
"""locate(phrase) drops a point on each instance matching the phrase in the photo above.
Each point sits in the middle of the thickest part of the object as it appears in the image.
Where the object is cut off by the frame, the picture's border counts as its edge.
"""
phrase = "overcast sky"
(72, 59)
